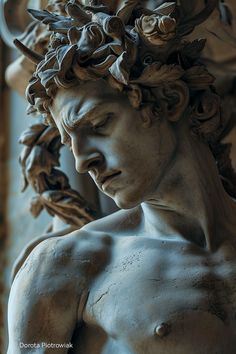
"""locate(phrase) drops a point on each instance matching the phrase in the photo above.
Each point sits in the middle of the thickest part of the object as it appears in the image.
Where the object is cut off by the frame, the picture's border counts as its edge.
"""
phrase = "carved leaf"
(24, 184)
(65, 55)
(62, 61)
(45, 16)
(24, 155)
(84, 74)
(60, 26)
(120, 70)
(48, 135)
(102, 69)
(74, 35)
(116, 48)
(29, 136)
(57, 180)
(126, 9)
(33, 87)
(156, 74)
(52, 185)
(48, 61)
(31, 110)
(97, 8)
(91, 38)
(113, 26)
(46, 78)
(40, 160)
(36, 206)
(198, 77)
(101, 52)
(22, 160)
(69, 206)
(165, 9)
(78, 13)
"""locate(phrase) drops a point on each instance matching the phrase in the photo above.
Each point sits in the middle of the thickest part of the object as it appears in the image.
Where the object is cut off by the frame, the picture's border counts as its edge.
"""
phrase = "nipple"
(162, 330)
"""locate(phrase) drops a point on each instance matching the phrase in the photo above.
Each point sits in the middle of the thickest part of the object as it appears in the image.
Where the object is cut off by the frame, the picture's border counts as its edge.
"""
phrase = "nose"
(85, 163)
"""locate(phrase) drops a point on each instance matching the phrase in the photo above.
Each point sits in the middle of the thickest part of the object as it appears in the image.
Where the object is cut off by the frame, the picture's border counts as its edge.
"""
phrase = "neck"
(190, 202)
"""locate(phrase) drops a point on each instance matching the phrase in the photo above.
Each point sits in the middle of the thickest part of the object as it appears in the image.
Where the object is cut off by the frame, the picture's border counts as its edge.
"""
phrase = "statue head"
(132, 65)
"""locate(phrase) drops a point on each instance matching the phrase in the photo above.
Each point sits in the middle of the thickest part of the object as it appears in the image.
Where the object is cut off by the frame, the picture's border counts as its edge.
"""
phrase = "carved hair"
(132, 48)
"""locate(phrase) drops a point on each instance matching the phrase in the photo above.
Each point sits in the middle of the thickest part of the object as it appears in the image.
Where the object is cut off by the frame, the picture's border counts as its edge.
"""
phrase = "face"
(125, 152)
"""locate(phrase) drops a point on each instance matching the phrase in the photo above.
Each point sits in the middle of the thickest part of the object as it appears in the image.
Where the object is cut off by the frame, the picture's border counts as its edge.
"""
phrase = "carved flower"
(156, 29)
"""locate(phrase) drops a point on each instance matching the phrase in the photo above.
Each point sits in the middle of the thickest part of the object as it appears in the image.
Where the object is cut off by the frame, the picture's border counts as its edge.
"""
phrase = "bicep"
(44, 302)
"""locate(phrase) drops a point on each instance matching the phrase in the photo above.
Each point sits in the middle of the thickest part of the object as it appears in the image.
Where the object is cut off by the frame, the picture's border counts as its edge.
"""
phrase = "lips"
(104, 180)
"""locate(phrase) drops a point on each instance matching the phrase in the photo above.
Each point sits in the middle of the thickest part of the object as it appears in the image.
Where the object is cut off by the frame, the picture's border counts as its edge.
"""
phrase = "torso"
(158, 296)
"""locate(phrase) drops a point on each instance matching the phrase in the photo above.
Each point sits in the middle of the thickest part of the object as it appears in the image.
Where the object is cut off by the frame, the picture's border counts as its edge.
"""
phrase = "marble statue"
(139, 112)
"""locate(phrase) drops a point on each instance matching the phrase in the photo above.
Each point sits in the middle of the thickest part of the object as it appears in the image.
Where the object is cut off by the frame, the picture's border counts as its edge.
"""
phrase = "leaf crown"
(128, 46)
(133, 46)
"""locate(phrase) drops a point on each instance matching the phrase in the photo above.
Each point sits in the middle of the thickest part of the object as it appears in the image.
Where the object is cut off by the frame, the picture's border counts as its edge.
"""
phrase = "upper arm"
(45, 297)
(49, 291)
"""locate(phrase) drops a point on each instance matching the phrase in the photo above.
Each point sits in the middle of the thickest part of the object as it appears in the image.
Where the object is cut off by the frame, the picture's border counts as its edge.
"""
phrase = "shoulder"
(54, 283)
(86, 250)
(80, 252)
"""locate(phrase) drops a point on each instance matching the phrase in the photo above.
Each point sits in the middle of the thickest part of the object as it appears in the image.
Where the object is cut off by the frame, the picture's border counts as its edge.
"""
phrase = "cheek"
(125, 145)
(141, 152)
(127, 153)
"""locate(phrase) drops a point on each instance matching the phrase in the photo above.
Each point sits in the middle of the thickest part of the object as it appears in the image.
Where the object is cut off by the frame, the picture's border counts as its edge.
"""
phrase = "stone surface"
(143, 119)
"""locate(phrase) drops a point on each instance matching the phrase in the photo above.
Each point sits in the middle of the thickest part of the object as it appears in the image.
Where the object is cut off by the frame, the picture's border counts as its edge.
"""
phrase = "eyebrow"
(72, 119)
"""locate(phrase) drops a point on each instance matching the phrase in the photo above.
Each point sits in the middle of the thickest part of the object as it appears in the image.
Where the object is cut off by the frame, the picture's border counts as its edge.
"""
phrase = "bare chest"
(168, 297)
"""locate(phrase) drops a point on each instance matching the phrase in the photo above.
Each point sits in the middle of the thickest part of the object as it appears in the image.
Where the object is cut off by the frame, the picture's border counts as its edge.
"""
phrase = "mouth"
(104, 181)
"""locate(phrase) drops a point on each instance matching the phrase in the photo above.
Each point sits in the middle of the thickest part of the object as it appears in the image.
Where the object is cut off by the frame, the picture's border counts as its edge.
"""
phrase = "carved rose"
(156, 29)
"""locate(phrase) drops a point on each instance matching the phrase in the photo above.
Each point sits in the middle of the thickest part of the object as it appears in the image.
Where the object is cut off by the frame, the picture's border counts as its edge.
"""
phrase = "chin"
(126, 201)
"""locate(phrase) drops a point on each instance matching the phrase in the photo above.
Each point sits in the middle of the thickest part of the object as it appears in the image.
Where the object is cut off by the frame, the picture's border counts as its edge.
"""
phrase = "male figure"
(159, 275)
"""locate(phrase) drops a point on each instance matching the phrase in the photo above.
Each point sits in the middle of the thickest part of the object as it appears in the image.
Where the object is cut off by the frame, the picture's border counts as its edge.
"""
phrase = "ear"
(176, 97)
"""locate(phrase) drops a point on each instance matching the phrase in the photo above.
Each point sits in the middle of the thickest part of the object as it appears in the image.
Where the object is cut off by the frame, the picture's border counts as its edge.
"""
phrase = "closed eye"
(102, 123)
